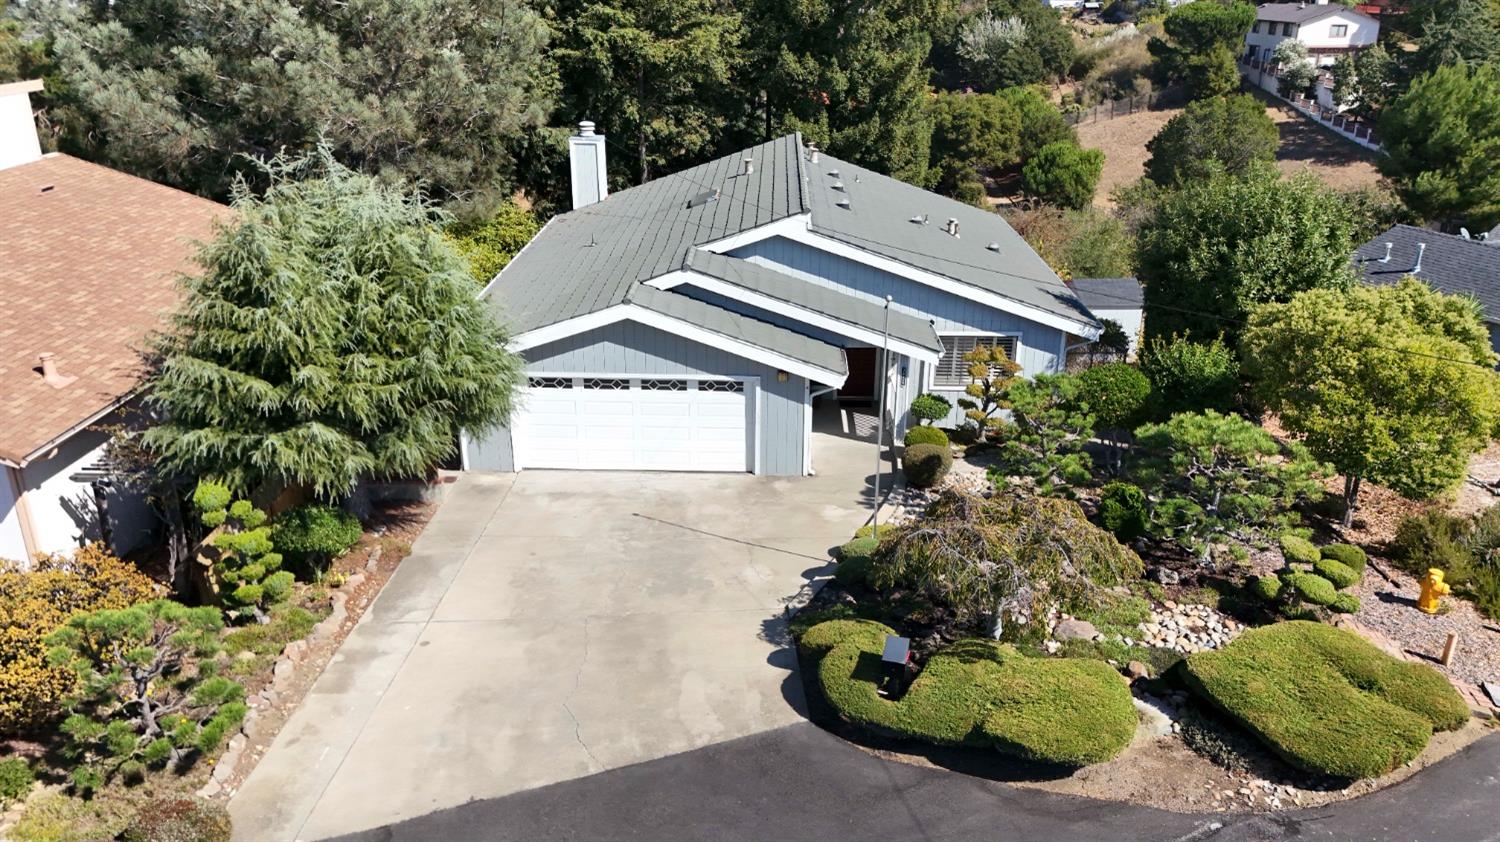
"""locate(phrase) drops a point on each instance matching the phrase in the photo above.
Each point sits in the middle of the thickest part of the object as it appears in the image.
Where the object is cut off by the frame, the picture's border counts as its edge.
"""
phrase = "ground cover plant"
(978, 693)
(1326, 700)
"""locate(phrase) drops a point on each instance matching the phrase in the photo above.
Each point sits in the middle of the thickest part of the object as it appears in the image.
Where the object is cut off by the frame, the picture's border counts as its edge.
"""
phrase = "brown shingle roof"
(88, 265)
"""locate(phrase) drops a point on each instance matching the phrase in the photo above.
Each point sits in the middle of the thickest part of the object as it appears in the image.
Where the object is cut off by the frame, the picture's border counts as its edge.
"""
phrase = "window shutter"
(952, 371)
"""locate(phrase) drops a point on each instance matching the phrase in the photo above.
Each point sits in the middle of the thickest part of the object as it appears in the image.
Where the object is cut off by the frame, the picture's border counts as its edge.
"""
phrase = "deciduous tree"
(332, 335)
(1392, 384)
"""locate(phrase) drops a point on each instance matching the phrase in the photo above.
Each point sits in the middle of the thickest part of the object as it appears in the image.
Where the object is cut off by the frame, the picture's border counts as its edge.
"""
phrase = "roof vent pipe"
(1417, 267)
(952, 226)
(50, 375)
(747, 166)
(995, 247)
(587, 166)
(812, 153)
(1387, 258)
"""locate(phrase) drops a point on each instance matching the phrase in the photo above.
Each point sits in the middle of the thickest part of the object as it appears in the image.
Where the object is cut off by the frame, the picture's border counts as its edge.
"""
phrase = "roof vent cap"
(812, 152)
(843, 203)
(837, 185)
(995, 247)
(747, 166)
(50, 375)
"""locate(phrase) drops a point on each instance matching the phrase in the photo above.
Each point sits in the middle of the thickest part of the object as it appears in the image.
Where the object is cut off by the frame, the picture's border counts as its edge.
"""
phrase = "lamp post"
(885, 382)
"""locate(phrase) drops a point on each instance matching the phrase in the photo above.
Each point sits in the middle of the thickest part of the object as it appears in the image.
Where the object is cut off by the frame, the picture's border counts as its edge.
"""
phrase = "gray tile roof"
(1108, 293)
(734, 326)
(596, 256)
(1450, 263)
(1298, 12)
(817, 298)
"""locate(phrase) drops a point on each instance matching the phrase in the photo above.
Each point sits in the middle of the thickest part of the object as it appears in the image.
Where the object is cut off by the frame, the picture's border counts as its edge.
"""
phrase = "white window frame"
(1338, 30)
(932, 384)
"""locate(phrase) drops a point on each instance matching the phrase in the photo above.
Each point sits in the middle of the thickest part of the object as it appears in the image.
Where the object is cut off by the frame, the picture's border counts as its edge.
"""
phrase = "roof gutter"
(71, 431)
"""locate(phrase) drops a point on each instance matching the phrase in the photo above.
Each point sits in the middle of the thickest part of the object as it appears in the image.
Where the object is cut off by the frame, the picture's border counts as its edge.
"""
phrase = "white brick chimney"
(18, 140)
(586, 157)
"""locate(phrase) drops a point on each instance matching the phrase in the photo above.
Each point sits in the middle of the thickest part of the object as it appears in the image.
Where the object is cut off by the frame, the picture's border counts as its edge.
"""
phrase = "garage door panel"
(655, 429)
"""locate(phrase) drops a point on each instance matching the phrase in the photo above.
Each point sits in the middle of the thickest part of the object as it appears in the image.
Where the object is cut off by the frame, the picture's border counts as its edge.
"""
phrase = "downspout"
(812, 395)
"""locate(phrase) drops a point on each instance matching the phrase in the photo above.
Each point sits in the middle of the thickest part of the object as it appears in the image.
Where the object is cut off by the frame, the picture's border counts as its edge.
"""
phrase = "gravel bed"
(1390, 607)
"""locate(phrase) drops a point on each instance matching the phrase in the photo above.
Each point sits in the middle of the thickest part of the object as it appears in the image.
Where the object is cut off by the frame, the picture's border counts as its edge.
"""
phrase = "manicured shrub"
(1313, 588)
(179, 820)
(854, 561)
(930, 407)
(315, 533)
(1335, 572)
(1434, 539)
(1122, 509)
(1115, 394)
(1348, 555)
(926, 464)
(925, 435)
(1345, 603)
(1298, 550)
(868, 530)
(1326, 700)
(1266, 587)
(36, 602)
(16, 779)
(248, 571)
(978, 693)
(1189, 376)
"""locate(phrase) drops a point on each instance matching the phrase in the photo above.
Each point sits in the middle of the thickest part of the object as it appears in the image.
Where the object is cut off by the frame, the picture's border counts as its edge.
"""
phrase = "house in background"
(1457, 265)
(88, 267)
(694, 322)
(1328, 29)
(1119, 300)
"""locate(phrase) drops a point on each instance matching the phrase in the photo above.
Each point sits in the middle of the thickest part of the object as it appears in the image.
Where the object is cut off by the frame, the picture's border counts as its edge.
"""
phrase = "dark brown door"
(860, 387)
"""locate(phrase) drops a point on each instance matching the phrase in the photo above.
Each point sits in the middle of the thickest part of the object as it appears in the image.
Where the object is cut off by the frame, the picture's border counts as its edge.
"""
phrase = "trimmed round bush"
(1348, 555)
(315, 533)
(925, 435)
(931, 407)
(980, 693)
(1122, 509)
(926, 464)
(868, 530)
(854, 561)
(16, 779)
(1298, 550)
(1313, 588)
(1345, 603)
(1339, 574)
(179, 820)
(1267, 588)
(1327, 701)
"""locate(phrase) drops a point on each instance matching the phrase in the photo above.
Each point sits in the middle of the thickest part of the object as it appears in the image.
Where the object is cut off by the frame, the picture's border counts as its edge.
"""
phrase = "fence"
(1117, 108)
(1264, 75)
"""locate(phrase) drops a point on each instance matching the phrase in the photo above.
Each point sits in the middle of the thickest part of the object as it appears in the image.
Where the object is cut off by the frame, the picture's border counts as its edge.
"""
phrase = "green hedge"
(1336, 572)
(1348, 555)
(1326, 700)
(979, 693)
(925, 435)
(1298, 550)
(1313, 588)
(926, 464)
(854, 561)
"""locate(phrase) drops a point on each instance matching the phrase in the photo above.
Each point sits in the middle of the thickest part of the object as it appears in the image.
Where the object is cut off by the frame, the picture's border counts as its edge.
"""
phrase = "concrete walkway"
(553, 625)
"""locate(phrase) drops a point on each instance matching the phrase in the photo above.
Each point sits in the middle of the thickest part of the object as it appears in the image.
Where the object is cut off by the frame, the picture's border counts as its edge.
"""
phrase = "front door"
(860, 385)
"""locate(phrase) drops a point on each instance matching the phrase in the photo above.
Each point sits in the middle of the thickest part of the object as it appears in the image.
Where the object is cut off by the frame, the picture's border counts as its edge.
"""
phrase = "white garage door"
(634, 424)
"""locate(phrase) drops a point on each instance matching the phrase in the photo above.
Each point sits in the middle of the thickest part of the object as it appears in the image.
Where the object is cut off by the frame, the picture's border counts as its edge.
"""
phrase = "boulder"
(1136, 669)
(1075, 629)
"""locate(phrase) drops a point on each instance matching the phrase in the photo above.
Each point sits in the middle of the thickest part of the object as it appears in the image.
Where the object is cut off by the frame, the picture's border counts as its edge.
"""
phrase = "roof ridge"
(802, 183)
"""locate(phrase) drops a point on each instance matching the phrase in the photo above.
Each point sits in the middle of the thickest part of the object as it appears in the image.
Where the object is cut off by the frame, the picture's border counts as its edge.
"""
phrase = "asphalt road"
(802, 783)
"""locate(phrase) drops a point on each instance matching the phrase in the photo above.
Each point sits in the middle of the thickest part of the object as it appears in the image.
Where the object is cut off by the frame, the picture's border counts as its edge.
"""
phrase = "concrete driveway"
(553, 625)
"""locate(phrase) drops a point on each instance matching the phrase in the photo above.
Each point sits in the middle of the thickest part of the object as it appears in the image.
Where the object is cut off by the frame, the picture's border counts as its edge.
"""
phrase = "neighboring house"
(1328, 29)
(1453, 264)
(88, 265)
(692, 322)
(1118, 299)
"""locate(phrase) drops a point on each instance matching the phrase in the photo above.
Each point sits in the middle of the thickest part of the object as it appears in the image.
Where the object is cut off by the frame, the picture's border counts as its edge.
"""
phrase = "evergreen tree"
(1063, 174)
(186, 92)
(1203, 38)
(655, 75)
(332, 335)
(1442, 138)
(850, 76)
(1232, 133)
(971, 132)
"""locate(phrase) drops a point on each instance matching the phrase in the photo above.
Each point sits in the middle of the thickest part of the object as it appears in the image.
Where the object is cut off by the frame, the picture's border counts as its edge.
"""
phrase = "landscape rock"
(1155, 715)
(1164, 575)
(374, 560)
(295, 651)
(1075, 629)
(210, 789)
(1136, 669)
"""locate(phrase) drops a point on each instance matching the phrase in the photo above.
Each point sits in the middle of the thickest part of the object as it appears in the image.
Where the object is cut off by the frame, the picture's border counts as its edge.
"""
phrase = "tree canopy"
(1441, 139)
(971, 132)
(1230, 133)
(1394, 384)
(1215, 249)
(1203, 38)
(1014, 42)
(332, 335)
(1063, 173)
(186, 91)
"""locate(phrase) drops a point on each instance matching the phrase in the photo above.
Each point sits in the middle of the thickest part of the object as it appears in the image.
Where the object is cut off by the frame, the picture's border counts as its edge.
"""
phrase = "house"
(693, 322)
(1119, 300)
(1328, 29)
(1457, 265)
(88, 263)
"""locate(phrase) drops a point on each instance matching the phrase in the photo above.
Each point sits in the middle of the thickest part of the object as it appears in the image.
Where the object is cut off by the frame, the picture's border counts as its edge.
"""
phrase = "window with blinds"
(952, 371)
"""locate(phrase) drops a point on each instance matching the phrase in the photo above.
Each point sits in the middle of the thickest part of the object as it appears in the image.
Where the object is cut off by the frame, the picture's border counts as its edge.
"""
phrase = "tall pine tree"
(333, 335)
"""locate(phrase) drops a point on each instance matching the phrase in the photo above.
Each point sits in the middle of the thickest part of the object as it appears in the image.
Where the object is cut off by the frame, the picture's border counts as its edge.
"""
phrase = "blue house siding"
(631, 348)
(1039, 346)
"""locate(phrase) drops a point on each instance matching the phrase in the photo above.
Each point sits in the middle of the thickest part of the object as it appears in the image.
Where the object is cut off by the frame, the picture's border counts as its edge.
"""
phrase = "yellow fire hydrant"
(1433, 590)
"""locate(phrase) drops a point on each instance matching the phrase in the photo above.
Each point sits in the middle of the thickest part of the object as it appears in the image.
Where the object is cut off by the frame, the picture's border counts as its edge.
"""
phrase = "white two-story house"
(1328, 29)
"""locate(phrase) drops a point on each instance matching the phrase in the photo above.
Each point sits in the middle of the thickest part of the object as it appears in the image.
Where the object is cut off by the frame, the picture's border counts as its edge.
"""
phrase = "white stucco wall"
(61, 501)
(18, 141)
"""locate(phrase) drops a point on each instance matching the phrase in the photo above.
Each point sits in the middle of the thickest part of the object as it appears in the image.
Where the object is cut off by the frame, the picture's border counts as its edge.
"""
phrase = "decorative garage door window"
(609, 383)
(722, 386)
(951, 368)
(550, 382)
(664, 385)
